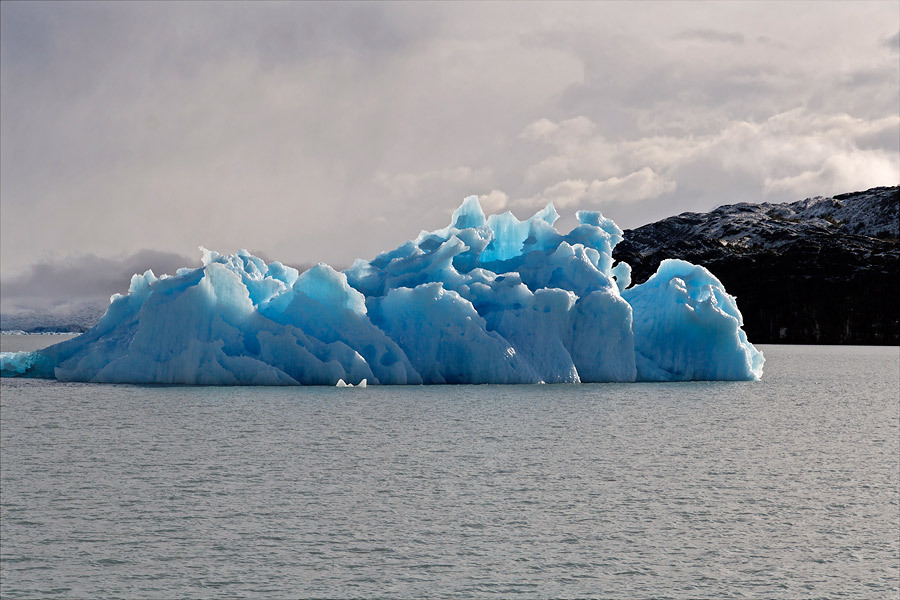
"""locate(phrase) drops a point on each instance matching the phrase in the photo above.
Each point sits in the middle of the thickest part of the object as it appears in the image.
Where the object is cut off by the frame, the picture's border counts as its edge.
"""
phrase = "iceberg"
(484, 300)
(342, 384)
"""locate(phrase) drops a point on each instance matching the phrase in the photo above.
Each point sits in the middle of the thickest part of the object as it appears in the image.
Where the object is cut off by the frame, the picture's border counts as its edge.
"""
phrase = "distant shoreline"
(20, 332)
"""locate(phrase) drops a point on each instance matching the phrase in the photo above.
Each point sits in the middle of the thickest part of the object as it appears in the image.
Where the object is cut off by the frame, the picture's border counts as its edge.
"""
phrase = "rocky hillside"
(821, 270)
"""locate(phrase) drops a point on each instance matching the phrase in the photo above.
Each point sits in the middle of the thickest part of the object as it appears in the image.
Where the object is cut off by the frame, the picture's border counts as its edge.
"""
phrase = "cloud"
(560, 134)
(789, 155)
(893, 42)
(412, 185)
(634, 187)
(493, 202)
(839, 173)
(562, 195)
(86, 277)
(710, 36)
(271, 126)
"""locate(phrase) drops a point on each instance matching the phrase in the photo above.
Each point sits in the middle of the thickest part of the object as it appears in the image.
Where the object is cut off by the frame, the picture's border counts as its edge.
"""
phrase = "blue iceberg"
(484, 300)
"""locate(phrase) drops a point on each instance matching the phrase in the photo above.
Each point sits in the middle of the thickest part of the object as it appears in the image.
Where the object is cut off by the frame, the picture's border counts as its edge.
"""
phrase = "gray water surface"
(787, 487)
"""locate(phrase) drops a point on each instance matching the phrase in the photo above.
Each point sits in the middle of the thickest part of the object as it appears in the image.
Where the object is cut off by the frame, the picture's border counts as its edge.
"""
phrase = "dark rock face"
(817, 271)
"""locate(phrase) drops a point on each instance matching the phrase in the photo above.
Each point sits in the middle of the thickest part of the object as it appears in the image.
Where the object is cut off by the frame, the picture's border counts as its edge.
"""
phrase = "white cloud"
(493, 202)
(634, 187)
(792, 154)
(563, 194)
(562, 134)
(540, 130)
(839, 173)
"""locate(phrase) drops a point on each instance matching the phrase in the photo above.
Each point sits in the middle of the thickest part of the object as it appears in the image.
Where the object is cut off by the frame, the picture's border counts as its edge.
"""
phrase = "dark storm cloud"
(893, 42)
(89, 276)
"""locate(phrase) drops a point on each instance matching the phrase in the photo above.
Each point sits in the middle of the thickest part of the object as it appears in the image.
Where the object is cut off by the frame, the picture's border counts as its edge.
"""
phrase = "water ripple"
(789, 487)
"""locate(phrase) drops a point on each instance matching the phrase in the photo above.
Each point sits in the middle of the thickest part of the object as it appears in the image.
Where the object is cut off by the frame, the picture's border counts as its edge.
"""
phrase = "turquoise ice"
(484, 300)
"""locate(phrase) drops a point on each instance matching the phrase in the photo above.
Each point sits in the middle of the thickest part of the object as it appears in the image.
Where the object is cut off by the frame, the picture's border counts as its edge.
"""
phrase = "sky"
(132, 133)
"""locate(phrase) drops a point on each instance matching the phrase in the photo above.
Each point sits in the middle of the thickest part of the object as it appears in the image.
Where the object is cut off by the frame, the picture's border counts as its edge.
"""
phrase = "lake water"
(788, 487)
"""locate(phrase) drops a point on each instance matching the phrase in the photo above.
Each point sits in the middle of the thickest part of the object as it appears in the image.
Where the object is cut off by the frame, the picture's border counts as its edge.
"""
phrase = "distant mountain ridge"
(820, 270)
(74, 317)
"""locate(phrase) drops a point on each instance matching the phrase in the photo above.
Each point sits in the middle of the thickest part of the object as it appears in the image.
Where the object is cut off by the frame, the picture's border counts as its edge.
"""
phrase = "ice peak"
(547, 214)
(469, 214)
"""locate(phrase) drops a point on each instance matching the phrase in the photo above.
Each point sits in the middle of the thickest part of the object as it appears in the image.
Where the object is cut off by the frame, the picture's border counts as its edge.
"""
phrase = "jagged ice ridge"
(484, 300)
